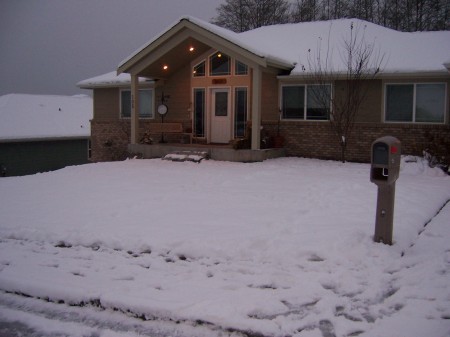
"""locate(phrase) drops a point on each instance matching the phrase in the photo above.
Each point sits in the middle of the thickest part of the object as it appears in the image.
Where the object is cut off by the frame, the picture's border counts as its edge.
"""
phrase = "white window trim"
(205, 89)
(414, 84)
(140, 89)
(235, 68)
(305, 107)
(197, 64)
(208, 70)
(207, 59)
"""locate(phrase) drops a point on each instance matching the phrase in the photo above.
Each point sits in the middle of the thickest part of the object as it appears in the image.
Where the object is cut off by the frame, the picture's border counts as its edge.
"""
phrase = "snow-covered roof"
(403, 52)
(294, 44)
(34, 117)
(110, 79)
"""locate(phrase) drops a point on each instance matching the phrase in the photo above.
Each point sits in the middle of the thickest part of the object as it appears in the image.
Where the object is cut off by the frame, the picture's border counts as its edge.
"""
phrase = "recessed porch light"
(191, 49)
(165, 67)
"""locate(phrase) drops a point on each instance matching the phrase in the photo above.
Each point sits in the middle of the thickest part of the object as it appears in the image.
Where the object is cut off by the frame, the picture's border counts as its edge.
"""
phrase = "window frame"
(210, 65)
(305, 102)
(206, 61)
(194, 112)
(246, 113)
(194, 73)
(414, 103)
(152, 107)
(236, 61)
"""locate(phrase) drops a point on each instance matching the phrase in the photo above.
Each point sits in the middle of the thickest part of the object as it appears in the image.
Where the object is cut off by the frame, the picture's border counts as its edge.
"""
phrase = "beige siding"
(177, 88)
(370, 109)
(106, 103)
(269, 97)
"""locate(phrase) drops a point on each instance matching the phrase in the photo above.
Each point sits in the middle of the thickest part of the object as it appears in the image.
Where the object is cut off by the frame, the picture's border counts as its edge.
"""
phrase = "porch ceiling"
(174, 59)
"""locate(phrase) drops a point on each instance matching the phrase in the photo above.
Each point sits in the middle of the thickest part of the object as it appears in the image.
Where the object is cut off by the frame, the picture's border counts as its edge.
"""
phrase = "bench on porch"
(168, 128)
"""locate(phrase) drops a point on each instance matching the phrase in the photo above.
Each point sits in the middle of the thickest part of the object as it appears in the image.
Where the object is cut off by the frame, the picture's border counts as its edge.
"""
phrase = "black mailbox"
(385, 168)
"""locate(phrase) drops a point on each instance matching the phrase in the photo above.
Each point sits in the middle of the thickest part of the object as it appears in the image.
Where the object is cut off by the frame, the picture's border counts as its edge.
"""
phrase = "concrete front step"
(194, 156)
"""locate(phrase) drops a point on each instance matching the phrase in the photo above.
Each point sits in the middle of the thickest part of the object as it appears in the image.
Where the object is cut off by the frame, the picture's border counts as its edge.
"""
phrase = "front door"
(220, 116)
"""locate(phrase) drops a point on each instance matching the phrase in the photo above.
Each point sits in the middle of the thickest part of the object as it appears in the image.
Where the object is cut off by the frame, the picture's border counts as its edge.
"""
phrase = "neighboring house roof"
(447, 65)
(110, 79)
(293, 45)
(39, 117)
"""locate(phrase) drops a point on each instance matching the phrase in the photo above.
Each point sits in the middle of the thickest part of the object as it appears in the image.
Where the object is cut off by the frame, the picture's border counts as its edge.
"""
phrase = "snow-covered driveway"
(279, 248)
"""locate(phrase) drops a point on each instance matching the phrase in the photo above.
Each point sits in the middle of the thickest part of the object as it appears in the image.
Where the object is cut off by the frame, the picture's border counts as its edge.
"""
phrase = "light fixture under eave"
(191, 49)
(165, 67)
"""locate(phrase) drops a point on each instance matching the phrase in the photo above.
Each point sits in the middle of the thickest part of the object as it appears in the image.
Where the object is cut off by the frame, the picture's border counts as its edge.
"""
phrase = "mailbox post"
(384, 172)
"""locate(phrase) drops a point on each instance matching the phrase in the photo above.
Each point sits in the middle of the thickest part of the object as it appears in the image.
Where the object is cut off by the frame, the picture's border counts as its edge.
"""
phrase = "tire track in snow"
(426, 225)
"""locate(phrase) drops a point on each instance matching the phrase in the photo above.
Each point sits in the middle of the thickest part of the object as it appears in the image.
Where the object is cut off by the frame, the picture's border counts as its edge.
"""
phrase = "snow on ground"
(278, 248)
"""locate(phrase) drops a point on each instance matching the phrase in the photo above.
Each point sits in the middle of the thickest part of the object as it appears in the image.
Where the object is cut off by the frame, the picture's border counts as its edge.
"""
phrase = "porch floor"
(216, 152)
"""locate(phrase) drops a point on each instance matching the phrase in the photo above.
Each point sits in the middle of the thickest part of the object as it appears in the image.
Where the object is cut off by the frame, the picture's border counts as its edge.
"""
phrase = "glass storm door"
(220, 116)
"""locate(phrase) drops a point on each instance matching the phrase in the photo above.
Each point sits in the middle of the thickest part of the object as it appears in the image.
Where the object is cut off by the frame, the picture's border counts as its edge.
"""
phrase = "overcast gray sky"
(47, 46)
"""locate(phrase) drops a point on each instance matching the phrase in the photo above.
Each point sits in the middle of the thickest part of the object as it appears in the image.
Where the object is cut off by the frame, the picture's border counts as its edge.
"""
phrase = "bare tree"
(404, 15)
(243, 15)
(362, 62)
(305, 10)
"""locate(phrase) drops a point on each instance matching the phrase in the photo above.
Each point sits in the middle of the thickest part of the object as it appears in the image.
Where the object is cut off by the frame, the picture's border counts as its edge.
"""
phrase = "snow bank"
(282, 247)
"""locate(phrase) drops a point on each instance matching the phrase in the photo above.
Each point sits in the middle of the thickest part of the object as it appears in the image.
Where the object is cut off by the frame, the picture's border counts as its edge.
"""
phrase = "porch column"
(256, 108)
(134, 109)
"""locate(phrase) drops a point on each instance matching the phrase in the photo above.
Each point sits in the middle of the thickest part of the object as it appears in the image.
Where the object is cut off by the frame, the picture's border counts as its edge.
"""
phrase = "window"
(240, 68)
(145, 103)
(306, 102)
(293, 102)
(199, 69)
(221, 104)
(318, 102)
(89, 149)
(199, 112)
(219, 64)
(419, 102)
(240, 112)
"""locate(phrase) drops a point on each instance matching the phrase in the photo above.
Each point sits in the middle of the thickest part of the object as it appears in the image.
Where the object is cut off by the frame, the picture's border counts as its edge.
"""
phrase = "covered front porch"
(215, 152)
(207, 83)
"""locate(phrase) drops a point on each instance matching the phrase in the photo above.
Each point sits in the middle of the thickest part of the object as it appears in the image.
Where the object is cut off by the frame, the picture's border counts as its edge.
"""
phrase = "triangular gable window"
(199, 69)
(219, 64)
(241, 68)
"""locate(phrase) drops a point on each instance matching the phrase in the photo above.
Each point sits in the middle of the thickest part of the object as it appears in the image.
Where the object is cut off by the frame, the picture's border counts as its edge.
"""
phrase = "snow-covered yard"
(278, 248)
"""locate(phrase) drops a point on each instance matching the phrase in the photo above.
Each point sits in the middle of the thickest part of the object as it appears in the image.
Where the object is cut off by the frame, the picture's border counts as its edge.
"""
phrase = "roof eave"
(114, 85)
(280, 64)
(381, 75)
(419, 74)
(134, 58)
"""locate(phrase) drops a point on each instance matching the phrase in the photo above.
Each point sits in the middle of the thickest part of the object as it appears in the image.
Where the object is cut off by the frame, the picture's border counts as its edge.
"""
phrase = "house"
(41, 133)
(216, 83)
